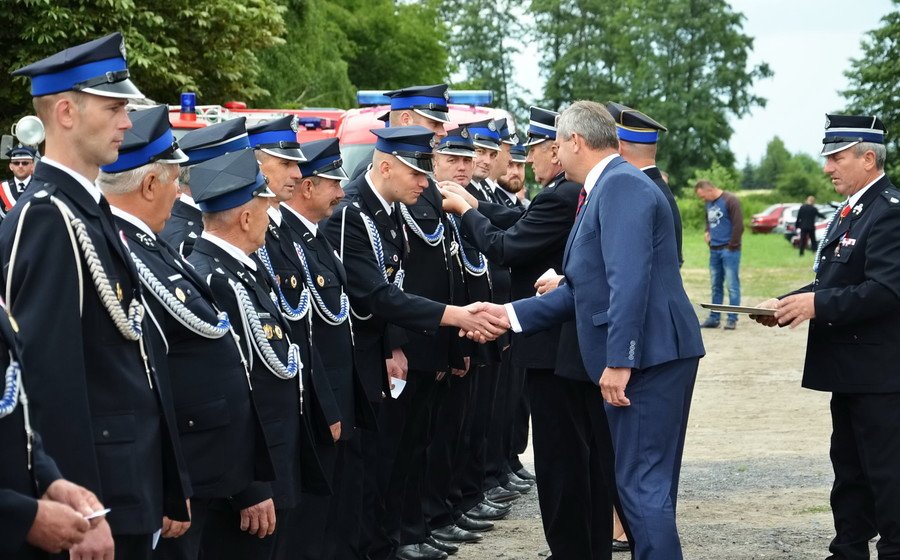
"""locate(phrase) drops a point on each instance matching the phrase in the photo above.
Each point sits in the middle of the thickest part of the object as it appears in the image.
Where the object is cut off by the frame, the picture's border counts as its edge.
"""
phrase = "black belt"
(717, 247)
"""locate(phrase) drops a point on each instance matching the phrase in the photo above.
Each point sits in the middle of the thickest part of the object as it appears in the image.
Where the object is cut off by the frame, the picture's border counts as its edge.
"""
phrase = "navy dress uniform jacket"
(530, 246)
(334, 343)
(369, 293)
(852, 345)
(20, 488)
(277, 400)
(103, 423)
(183, 228)
(221, 436)
(650, 321)
(290, 278)
(656, 176)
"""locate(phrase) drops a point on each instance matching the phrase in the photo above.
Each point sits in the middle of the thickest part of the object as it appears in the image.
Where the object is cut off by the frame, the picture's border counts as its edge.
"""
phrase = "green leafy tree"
(802, 176)
(684, 62)
(309, 69)
(773, 164)
(873, 82)
(207, 46)
(394, 44)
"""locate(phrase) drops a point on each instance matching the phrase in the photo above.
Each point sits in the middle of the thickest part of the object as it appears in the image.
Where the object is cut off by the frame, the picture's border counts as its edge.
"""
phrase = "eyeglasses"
(21, 163)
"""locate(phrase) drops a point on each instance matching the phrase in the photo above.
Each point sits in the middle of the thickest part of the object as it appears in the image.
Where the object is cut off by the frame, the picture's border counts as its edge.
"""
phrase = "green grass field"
(770, 266)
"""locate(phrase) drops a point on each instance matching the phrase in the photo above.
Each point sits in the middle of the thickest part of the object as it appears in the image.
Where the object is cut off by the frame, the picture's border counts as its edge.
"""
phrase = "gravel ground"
(756, 473)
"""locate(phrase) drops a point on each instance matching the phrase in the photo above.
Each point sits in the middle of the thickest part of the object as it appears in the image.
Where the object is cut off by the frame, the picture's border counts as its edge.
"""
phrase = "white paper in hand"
(398, 386)
(546, 276)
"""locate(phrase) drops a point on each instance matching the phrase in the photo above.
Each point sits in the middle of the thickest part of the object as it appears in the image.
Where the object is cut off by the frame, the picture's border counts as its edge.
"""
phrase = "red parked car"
(768, 219)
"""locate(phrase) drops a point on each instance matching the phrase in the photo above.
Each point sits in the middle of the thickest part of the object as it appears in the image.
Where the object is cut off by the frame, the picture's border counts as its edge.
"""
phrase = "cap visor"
(293, 154)
(338, 174)
(835, 147)
(265, 194)
(487, 146)
(120, 90)
(421, 165)
(519, 159)
(439, 116)
(172, 156)
(455, 152)
(535, 141)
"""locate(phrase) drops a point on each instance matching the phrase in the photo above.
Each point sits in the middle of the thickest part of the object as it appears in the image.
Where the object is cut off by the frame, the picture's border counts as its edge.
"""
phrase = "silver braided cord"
(11, 389)
(263, 349)
(292, 314)
(177, 309)
(378, 250)
(129, 326)
(322, 310)
(433, 239)
(475, 270)
(821, 246)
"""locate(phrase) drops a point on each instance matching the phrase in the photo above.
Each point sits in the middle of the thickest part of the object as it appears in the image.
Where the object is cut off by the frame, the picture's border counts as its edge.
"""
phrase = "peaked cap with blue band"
(458, 142)
(21, 152)
(844, 131)
(228, 181)
(634, 126)
(215, 140)
(428, 101)
(506, 135)
(277, 137)
(518, 152)
(484, 134)
(412, 145)
(97, 67)
(149, 140)
(541, 125)
(323, 159)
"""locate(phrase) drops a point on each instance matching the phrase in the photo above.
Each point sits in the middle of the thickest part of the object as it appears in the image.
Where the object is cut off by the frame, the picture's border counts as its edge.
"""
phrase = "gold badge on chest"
(320, 280)
(119, 293)
(293, 281)
(270, 332)
(179, 293)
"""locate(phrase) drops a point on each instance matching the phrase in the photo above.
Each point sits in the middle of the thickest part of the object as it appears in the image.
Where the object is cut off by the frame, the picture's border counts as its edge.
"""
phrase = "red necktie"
(581, 196)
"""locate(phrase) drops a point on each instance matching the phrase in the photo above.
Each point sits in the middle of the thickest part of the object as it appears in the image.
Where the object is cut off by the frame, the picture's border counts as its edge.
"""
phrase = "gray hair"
(184, 176)
(591, 121)
(128, 181)
(880, 152)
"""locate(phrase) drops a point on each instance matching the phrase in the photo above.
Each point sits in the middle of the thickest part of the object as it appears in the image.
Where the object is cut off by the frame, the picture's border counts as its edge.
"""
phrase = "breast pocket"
(584, 238)
(114, 443)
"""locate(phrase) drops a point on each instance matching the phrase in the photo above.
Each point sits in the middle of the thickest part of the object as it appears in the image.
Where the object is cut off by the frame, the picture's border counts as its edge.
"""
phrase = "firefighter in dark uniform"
(72, 287)
(638, 135)
(450, 449)
(41, 511)
(328, 525)
(853, 348)
(220, 433)
(567, 422)
(186, 223)
(21, 163)
(372, 242)
(234, 198)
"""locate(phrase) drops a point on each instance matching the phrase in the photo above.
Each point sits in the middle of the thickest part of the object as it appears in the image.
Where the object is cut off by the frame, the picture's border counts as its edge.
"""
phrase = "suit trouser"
(404, 427)
(648, 439)
(865, 454)
(468, 485)
(520, 419)
(447, 449)
(497, 450)
(574, 466)
(223, 538)
(128, 547)
(304, 535)
(364, 463)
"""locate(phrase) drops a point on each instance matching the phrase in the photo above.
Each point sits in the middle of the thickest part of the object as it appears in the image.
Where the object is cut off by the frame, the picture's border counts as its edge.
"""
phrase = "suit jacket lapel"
(588, 204)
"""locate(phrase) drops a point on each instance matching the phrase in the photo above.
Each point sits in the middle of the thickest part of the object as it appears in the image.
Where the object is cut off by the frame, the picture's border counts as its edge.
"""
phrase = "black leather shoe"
(501, 495)
(450, 549)
(710, 323)
(513, 477)
(452, 533)
(620, 546)
(495, 505)
(524, 474)
(473, 525)
(486, 513)
(515, 487)
(420, 551)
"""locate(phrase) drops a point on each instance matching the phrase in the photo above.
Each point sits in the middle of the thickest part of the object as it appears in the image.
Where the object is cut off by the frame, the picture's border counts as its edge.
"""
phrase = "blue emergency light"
(478, 97)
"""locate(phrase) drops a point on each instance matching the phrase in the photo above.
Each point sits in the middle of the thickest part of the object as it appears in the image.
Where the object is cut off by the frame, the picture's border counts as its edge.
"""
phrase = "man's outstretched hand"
(485, 322)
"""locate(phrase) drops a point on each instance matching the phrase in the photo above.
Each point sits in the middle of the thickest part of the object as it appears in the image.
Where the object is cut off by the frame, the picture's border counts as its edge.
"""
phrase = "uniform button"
(105, 433)
(190, 423)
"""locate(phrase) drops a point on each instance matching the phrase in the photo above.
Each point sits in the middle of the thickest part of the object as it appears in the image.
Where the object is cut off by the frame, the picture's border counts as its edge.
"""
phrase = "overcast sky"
(808, 44)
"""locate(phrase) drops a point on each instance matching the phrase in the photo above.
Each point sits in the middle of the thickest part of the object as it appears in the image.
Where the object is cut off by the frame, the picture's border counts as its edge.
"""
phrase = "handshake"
(480, 321)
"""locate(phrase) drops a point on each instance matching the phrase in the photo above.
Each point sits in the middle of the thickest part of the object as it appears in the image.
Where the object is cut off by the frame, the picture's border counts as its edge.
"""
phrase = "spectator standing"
(724, 227)
(806, 223)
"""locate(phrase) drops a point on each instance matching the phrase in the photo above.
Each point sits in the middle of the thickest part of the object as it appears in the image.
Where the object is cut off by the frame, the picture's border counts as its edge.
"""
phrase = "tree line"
(685, 62)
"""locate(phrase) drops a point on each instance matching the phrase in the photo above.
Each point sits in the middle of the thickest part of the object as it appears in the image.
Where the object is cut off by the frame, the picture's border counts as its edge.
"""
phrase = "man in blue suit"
(638, 333)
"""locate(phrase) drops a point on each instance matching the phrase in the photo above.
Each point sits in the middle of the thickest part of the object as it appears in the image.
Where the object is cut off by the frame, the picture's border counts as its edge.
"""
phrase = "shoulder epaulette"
(891, 194)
